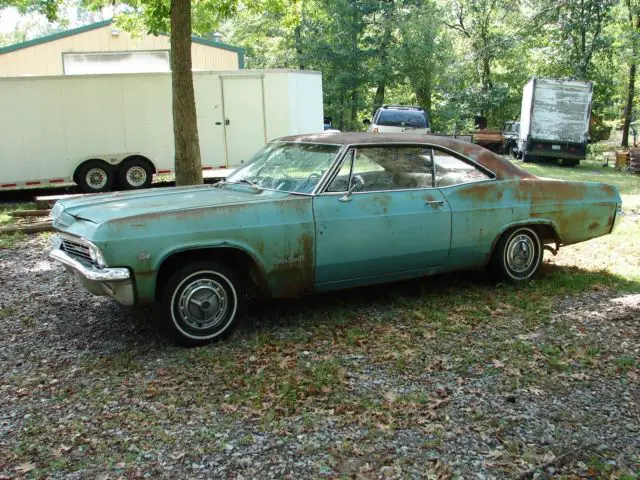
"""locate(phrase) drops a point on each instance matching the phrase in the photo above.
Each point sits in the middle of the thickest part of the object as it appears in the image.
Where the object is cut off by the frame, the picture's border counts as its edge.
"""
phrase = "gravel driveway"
(376, 383)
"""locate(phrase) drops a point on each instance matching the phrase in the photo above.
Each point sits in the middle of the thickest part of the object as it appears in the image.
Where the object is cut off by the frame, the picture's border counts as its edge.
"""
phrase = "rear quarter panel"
(482, 211)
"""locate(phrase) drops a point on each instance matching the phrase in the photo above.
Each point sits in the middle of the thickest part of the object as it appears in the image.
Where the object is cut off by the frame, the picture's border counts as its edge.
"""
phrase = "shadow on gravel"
(343, 306)
(104, 326)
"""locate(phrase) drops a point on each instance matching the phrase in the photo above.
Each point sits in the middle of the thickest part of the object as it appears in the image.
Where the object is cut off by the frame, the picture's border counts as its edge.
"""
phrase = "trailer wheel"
(135, 173)
(95, 176)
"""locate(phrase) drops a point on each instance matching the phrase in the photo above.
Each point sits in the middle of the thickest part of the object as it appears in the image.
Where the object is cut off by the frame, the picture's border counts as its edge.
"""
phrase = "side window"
(388, 168)
(341, 181)
(453, 171)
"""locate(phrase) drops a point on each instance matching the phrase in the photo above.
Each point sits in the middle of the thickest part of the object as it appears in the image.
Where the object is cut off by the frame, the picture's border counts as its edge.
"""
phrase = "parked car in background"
(320, 212)
(399, 119)
(510, 134)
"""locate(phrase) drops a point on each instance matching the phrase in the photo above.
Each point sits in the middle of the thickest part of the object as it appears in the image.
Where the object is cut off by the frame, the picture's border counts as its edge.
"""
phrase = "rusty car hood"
(153, 202)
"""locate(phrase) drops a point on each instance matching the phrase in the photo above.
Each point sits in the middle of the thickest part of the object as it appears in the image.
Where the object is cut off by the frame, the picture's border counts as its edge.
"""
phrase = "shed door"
(244, 125)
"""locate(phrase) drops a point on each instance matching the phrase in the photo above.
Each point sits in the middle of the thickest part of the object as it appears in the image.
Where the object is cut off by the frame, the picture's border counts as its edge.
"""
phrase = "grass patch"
(626, 363)
(9, 240)
(591, 170)
(5, 208)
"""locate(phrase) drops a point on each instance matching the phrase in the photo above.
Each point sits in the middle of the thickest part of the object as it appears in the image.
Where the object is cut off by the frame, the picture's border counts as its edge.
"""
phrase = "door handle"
(218, 123)
(435, 203)
(227, 122)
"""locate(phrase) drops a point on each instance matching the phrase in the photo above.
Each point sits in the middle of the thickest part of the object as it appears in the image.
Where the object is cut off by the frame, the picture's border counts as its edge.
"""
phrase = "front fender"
(146, 271)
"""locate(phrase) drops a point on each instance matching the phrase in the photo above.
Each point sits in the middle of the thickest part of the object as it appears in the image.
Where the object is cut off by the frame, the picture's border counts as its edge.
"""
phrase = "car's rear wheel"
(518, 255)
(201, 302)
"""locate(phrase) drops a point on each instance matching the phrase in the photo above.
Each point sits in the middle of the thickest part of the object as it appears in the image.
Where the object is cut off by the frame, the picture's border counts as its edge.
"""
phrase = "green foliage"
(455, 58)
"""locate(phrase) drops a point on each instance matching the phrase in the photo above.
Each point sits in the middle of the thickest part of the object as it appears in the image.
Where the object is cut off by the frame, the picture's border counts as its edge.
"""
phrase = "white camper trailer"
(105, 131)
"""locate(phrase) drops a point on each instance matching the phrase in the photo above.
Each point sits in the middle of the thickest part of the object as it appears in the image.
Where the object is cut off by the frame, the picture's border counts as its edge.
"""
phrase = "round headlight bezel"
(96, 255)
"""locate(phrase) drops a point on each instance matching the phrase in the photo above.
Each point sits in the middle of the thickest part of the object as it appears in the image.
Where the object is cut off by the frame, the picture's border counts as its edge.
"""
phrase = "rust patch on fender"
(145, 274)
(293, 275)
(258, 244)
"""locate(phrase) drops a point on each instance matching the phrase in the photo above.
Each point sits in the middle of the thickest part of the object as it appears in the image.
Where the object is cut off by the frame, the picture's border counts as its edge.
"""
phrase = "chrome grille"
(76, 249)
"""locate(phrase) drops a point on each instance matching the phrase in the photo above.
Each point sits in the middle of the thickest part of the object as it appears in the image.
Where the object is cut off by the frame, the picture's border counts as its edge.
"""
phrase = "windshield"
(287, 167)
(402, 118)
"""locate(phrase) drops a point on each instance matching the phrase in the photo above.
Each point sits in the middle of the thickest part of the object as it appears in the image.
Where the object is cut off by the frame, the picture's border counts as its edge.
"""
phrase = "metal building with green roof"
(102, 48)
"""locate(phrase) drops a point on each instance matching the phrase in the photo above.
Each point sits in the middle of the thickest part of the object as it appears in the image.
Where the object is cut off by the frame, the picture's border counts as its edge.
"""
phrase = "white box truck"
(115, 131)
(554, 120)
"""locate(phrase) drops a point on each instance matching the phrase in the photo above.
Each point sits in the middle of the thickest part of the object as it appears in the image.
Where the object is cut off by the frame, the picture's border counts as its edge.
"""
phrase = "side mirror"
(366, 121)
(356, 181)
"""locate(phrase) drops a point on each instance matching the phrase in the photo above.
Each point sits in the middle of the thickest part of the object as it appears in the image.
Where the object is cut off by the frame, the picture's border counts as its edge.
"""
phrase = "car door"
(394, 220)
(478, 210)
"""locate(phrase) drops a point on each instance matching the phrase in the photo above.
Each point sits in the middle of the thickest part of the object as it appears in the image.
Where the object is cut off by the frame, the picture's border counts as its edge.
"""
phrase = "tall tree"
(485, 29)
(581, 25)
(188, 164)
(421, 51)
(633, 37)
(175, 17)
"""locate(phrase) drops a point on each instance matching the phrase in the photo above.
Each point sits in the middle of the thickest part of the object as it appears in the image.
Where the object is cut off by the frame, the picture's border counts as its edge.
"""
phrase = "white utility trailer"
(105, 131)
(554, 120)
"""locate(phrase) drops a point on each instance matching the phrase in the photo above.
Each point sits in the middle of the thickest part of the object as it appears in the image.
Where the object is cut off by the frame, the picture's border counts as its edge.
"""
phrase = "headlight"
(96, 256)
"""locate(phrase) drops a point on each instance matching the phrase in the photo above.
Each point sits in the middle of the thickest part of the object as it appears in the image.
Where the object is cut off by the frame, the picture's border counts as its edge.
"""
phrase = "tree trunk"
(378, 99)
(185, 125)
(297, 33)
(628, 109)
(354, 107)
(423, 95)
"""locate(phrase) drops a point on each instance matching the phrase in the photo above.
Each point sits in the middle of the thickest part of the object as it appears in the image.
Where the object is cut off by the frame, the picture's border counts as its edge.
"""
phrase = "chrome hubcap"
(202, 304)
(96, 178)
(521, 253)
(136, 176)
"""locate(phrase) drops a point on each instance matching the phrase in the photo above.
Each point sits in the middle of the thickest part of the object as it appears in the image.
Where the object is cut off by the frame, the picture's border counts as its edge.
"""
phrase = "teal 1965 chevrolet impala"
(313, 213)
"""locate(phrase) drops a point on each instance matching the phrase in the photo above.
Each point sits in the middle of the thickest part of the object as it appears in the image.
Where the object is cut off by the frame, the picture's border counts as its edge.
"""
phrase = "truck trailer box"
(116, 130)
(554, 119)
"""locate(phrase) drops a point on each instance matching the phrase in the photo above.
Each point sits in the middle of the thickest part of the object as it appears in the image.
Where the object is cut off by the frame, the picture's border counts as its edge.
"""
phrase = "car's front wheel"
(201, 303)
(518, 255)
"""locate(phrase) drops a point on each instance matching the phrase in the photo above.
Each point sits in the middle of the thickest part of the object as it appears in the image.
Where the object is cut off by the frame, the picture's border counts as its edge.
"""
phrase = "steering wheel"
(310, 178)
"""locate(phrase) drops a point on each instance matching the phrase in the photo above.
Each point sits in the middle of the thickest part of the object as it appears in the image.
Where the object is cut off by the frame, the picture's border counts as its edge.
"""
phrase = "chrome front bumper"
(114, 282)
(617, 218)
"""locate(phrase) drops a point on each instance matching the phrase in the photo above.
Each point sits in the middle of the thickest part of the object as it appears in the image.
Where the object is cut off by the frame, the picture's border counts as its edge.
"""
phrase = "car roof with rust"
(503, 169)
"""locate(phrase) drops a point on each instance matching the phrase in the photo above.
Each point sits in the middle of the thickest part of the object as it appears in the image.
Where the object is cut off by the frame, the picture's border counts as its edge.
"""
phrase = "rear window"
(402, 118)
